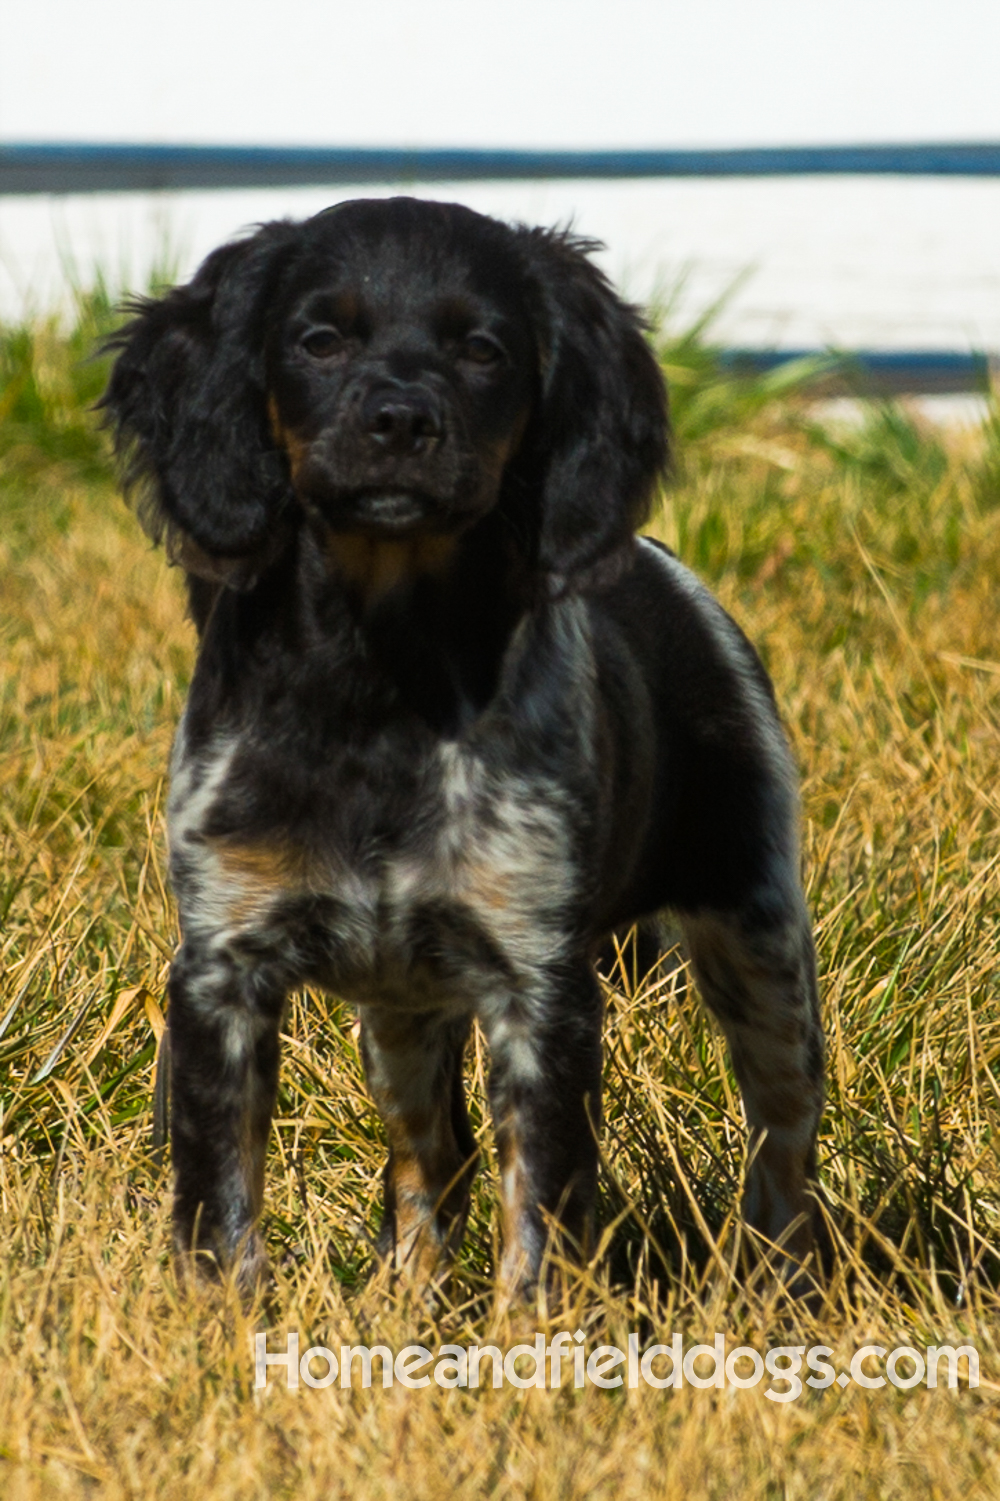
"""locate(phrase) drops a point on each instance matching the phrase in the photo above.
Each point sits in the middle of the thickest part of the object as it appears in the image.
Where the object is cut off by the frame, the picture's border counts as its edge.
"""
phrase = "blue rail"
(875, 372)
(55, 168)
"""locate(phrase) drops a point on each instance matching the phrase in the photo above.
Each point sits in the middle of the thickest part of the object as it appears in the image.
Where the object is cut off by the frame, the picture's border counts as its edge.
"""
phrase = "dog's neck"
(383, 629)
(434, 614)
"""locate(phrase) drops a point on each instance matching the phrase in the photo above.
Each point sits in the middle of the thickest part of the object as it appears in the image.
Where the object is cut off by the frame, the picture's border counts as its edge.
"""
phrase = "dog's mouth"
(382, 513)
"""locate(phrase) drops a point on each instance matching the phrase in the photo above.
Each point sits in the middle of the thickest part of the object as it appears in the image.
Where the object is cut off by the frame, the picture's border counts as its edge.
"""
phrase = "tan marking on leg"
(427, 1176)
(516, 1262)
(424, 1179)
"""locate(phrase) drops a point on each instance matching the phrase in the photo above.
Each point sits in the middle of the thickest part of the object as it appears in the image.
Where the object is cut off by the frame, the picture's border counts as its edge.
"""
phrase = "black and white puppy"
(452, 722)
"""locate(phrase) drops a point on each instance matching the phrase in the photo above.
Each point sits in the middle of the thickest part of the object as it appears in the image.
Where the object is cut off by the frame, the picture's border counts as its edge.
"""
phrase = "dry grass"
(866, 570)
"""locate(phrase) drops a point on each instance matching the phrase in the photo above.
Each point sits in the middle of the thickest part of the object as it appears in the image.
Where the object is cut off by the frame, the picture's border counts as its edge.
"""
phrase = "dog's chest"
(457, 880)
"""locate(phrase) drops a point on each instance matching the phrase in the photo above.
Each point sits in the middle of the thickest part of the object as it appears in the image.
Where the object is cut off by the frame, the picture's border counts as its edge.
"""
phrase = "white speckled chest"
(455, 905)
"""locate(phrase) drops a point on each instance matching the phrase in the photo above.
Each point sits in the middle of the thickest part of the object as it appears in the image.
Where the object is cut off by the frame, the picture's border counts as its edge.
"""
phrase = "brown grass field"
(865, 566)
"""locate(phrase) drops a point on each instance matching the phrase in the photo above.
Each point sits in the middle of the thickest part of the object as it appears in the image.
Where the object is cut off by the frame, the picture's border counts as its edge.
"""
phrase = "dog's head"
(391, 368)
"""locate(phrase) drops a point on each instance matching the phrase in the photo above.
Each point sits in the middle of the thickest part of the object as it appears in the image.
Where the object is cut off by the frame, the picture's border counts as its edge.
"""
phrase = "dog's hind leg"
(756, 969)
(414, 1069)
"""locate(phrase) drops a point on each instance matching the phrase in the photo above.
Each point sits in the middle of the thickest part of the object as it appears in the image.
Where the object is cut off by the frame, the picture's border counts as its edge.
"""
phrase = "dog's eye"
(322, 343)
(480, 349)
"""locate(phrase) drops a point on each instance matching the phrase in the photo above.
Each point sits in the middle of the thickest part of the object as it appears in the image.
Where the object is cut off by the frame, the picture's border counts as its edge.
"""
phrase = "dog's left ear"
(599, 443)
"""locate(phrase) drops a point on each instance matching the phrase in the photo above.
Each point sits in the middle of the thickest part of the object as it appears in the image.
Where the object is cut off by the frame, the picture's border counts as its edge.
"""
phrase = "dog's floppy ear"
(600, 439)
(188, 407)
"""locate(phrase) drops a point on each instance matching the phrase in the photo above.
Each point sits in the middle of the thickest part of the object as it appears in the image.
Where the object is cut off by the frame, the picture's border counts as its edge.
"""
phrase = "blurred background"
(889, 262)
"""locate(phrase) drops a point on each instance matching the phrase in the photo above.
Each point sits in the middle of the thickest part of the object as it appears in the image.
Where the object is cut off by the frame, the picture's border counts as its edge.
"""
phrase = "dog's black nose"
(402, 420)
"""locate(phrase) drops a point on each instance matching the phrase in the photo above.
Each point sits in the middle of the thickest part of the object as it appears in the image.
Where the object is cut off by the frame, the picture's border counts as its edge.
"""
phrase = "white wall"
(500, 72)
(907, 262)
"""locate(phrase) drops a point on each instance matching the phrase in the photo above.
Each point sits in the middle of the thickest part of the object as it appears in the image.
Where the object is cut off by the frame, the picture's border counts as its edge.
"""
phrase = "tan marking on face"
(375, 566)
(506, 446)
(286, 438)
(274, 420)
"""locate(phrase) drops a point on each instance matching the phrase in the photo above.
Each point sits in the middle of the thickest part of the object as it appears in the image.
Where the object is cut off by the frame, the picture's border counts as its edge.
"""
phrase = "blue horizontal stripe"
(67, 168)
(874, 371)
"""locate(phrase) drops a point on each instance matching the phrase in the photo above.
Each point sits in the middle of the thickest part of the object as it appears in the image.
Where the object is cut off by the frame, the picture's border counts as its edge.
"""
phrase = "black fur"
(452, 723)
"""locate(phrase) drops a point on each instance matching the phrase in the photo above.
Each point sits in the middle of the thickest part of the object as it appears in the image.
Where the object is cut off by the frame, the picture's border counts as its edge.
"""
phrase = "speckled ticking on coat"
(452, 722)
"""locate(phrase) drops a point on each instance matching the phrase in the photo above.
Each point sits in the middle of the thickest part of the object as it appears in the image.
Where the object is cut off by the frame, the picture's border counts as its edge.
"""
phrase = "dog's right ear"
(188, 406)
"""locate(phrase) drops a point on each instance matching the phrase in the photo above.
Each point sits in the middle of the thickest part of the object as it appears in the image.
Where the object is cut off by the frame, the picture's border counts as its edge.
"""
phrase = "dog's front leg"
(545, 1093)
(414, 1068)
(224, 1019)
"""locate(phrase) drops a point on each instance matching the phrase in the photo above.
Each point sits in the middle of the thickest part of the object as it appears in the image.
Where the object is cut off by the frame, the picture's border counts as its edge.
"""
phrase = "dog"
(452, 722)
